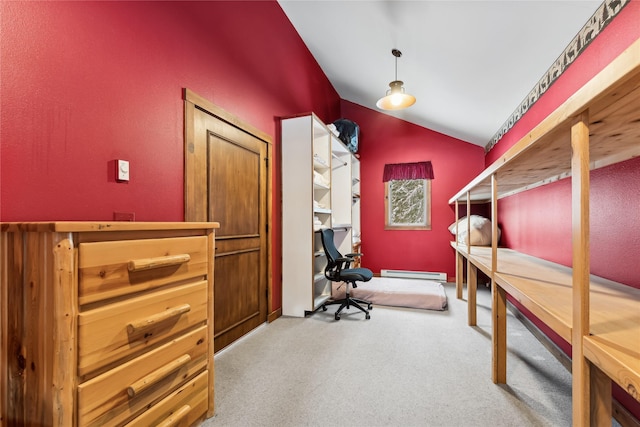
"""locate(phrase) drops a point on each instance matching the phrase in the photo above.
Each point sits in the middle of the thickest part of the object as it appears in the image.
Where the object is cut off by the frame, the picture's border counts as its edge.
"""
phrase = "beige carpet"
(403, 367)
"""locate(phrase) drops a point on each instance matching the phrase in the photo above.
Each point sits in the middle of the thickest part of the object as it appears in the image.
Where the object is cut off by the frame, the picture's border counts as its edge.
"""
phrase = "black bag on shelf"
(348, 133)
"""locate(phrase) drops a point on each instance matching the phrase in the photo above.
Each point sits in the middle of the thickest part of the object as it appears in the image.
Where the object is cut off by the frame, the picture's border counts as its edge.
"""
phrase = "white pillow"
(480, 230)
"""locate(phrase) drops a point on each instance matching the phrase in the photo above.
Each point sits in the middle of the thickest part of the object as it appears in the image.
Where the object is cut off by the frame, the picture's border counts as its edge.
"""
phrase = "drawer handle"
(176, 417)
(157, 262)
(147, 322)
(157, 375)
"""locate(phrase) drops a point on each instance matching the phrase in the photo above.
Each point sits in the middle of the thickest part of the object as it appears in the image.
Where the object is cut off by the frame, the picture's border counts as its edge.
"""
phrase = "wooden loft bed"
(598, 126)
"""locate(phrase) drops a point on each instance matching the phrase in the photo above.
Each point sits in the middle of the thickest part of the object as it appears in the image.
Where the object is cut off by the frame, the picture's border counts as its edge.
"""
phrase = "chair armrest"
(343, 263)
(353, 255)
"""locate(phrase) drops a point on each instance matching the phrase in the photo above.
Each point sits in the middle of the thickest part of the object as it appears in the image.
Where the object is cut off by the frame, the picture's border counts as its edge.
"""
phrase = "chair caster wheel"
(369, 307)
(367, 316)
(337, 316)
(324, 308)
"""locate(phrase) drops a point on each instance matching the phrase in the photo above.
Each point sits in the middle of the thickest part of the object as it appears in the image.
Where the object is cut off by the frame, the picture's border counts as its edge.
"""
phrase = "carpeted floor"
(403, 367)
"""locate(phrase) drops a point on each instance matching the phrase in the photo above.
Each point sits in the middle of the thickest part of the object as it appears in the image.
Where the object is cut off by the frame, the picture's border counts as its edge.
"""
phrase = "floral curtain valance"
(399, 171)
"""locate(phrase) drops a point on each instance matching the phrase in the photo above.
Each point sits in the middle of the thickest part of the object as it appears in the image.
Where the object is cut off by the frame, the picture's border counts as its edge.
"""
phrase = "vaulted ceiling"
(469, 63)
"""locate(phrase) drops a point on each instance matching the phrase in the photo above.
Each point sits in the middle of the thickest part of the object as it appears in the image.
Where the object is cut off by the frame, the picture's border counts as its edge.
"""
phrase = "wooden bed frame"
(598, 126)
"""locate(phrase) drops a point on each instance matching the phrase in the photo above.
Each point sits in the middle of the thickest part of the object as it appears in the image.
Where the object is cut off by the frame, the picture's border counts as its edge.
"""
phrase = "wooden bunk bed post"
(601, 120)
(468, 223)
(472, 272)
(581, 269)
(472, 285)
(494, 223)
(459, 259)
(600, 397)
(498, 302)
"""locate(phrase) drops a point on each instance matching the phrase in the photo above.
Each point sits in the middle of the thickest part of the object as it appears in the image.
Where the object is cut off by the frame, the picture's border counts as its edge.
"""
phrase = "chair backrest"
(332, 270)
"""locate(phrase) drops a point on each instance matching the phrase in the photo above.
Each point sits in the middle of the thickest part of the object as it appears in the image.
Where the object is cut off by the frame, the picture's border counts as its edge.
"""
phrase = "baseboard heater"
(405, 274)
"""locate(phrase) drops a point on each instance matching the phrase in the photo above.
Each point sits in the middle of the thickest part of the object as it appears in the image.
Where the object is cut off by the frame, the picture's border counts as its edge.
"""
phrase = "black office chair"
(337, 270)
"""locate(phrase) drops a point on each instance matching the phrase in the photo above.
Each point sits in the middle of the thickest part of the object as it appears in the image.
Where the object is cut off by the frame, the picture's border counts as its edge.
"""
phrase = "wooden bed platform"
(599, 125)
(545, 289)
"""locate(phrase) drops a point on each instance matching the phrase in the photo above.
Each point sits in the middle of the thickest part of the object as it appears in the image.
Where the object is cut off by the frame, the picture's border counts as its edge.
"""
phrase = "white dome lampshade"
(396, 98)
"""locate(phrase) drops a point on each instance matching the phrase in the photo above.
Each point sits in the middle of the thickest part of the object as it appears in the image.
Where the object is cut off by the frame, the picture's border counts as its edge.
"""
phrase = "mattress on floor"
(413, 293)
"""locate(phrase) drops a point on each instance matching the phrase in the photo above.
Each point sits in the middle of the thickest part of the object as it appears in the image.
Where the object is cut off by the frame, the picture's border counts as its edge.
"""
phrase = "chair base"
(347, 302)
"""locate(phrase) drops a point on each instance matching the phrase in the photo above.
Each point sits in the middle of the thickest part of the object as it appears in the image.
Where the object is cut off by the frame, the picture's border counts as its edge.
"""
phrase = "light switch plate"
(122, 170)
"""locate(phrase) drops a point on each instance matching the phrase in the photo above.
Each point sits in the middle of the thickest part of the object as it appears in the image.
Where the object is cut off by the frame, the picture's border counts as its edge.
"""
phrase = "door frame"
(196, 184)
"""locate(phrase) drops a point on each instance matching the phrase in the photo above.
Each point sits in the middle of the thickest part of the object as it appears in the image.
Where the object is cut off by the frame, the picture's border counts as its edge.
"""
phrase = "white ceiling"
(468, 63)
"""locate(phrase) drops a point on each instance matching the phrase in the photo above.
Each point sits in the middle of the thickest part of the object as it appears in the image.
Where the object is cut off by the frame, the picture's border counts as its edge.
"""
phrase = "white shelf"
(321, 299)
(340, 161)
(341, 226)
(311, 153)
(319, 186)
(320, 164)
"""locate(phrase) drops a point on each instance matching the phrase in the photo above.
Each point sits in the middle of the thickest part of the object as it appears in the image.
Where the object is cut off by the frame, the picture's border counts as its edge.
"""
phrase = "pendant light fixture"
(396, 98)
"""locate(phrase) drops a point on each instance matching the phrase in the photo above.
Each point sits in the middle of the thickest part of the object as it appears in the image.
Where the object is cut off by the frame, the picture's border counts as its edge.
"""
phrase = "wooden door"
(226, 180)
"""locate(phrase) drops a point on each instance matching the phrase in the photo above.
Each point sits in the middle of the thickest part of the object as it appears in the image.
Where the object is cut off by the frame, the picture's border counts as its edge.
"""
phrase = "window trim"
(427, 226)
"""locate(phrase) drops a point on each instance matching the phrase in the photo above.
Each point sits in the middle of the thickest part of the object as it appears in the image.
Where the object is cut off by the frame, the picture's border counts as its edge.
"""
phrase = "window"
(408, 196)
(407, 204)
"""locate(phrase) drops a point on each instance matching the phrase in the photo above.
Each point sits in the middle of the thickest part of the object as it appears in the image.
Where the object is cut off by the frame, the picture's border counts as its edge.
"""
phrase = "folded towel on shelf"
(318, 205)
(320, 160)
(319, 179)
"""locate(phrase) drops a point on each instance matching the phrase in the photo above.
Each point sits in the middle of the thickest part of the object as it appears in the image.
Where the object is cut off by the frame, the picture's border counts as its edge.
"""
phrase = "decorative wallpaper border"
(598, 21)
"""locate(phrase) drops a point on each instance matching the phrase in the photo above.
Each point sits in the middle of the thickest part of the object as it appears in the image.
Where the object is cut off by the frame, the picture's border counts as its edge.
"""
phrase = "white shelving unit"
(316, 194)
(355, 203)
(341, 195)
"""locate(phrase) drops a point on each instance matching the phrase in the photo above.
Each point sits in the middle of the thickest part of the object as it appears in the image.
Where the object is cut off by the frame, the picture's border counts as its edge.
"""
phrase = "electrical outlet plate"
(122, 170)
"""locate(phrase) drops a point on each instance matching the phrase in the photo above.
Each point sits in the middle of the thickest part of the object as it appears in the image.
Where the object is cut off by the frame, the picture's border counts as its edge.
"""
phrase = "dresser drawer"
(181, 408)
(111, 269)
(124, 329)
(124, 392)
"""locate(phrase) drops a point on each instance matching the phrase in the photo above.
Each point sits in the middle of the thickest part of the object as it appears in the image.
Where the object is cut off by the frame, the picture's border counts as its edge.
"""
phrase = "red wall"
(538, 222)
(385, 139)
(615, 38)
(84, 83)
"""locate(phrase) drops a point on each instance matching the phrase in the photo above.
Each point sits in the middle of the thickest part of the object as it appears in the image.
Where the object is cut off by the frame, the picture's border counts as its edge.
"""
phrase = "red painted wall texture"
(615, 38)
(84, 83)
(385, 139)
(538, 222)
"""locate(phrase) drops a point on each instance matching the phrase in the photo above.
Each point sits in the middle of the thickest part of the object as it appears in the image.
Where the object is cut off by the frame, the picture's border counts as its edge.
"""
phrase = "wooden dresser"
(106, 323)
